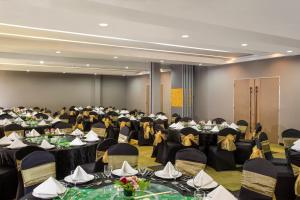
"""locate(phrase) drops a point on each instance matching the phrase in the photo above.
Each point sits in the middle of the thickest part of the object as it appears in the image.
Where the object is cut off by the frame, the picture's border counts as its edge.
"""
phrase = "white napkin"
(151, 115)
(50, 118)
(42, 123)
(76, 142)
(124, 112)
(5, 122)
(168, 170)
(101, 112)
(79, 175)
(24, 124)
(215, 129)
(58, 132)
(126, 169)
(192, 123)
(220, 193)
(19, 120)
(296, 147)
(16, 144)
(132, 118)
(297, 141)
(174, 125)
(33, 133)
(225, 124)
(5, 141)
(91, 136)
(50, 187)
(12, 114)
(209, 123)
(14, 136)
(233, 126)
(162, 117)
(28, 115)
(120, 116)
(77, 132)
(202, 179)
(55, 120)
(179, 126)
(46, 145)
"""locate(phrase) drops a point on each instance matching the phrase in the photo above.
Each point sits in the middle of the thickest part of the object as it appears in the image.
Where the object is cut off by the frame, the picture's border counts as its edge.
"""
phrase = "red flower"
(124, 180)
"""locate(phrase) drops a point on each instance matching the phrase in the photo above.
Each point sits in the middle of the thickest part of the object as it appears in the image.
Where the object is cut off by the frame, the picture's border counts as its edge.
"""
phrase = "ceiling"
(66, 35)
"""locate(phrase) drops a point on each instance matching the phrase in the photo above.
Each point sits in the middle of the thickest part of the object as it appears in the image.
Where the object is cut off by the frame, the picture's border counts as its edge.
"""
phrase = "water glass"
(199, 195)
(107, 172)
(142, 170)
(73, 180)
(175, 173)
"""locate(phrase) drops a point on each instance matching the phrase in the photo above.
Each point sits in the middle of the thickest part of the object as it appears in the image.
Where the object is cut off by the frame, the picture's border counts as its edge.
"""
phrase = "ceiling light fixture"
(116, 57)
(200, 64)
(126, 67)
(162, 61)
(58, 52)
(244, 44)
(289, 51)
(64, 72)
(42, 62)
(95, 74)
(27, 70)
(185, 36)
(103, 24)
(87, 65)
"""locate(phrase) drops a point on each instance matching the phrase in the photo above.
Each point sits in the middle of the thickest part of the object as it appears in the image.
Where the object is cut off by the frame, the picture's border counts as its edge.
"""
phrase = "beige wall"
(214, 88)
(165, 80)
(57, 90)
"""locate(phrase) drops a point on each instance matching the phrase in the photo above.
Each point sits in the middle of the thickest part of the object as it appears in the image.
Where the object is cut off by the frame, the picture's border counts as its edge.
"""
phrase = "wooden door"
(267, 106)
(147, 99)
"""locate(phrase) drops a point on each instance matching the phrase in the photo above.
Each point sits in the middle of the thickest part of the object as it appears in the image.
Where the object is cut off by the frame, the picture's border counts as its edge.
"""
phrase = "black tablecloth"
(66, 159)
(40, 129)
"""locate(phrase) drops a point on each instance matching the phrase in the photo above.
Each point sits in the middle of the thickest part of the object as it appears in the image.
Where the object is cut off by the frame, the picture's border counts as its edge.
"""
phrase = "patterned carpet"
(229, 179)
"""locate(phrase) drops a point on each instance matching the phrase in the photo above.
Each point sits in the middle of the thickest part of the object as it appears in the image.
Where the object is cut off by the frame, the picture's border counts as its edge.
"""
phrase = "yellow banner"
(177, 97)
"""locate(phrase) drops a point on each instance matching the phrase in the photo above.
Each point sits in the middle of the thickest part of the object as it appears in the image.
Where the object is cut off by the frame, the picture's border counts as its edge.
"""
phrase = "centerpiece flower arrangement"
(131, 184)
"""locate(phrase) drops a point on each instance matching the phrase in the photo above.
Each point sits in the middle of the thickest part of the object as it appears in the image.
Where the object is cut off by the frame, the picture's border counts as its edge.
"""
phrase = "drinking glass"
(73, 180)
(107, 172)
(175, 173)
(199, 195)
(142, 170)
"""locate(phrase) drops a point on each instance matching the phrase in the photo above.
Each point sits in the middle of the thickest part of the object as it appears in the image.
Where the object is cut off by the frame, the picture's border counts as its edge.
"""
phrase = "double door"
(257, 100)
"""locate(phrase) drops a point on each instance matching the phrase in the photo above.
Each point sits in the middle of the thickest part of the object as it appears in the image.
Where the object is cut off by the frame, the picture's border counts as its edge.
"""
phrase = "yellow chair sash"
(265, 146)
(256, 153)
(147, 130)
(19, 132)
(227, 142)
(101, 132)
(103, 155)
(243, 129)
(38, 174)
(123, 124)
(79, 126)
(296, 171)
(189, 167)
(173, 119)
(289, 142)
(107, 122)
(116, 161)
(133, 142)
(258, 183)
(189, 139)
(18, 164)
(158, 138)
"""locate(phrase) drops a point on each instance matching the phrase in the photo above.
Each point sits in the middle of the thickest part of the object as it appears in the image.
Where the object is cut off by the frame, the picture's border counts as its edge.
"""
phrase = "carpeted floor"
(229, 179)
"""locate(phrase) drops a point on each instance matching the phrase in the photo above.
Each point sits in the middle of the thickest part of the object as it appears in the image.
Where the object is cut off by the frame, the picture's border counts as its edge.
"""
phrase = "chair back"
(5, 116)
(23, 152)
(101, 151)
(189, 136)
(289, 136)
(159, 122)
(37, 167)
(175, 118)
(124, 135)
(8, 129)
(190, 161)
(100, 129)
(63, 126)
(243, 125)
(258, 180)
(218, 120)
(41, 116)
(119, 153)
(226, 139)
(174, 136)
(146, 119)
(124, 121)
(262, 143)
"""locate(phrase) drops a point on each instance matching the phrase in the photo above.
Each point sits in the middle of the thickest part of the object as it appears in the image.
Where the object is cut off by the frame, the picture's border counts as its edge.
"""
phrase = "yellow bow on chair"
(159, 137)
(103, 155)
(227, 142)
(147, 130)
(188, 140)
(256, 153)
(296, 171)
(122, 124)
(107, 122)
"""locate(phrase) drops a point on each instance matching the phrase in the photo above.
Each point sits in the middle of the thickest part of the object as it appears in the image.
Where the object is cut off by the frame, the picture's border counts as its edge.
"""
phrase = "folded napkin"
(215, 129)
(80, 175)
(16, 144)
(28, 115)
(46, 145)
(76, 142)
(173, 125)
(202, 179)
(179, 126)
(132, 118)
(55, 120)
(13, 114)
(120, 116)
(192, 123)
(225, 124)
(14, 136)
(24, 124)
(58, 132)
(18, 119)
(220, 193)
(50, 187)
(168, 170)
(297, 141)
(209, 123)
(33, 133)
(233, 126)
(42, 123)
(77, 132)
(50, 118)
(5, 122)
(296, 147)
(91, 136)
(126, 169)
(124, 112)
(151, 115)
(5, 140)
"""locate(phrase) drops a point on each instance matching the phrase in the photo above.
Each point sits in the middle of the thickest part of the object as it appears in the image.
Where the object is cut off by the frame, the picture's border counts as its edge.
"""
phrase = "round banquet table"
(40, 129)
(67, 159)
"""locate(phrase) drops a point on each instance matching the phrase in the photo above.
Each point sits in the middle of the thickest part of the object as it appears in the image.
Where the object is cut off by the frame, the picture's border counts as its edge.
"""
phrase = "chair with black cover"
(124, 135)
(20, 155)
(8, 129)
(121, 152)
(289, 136)
(185, 121)
(190, 161)
(175, 118)
(146, 132)
(36, 109)
(36, 168)
(100, 129)
(124, 121)
(218, 120)
(63, 127)
(189, 137)
(64, 117)
(101, 157)
(243, 126)
(159, 138)
(294, 157)
(160, 122)
(221, 157)
(8, 182)
(113, 116)
(5, 116)
(41, 116)
(258, 180)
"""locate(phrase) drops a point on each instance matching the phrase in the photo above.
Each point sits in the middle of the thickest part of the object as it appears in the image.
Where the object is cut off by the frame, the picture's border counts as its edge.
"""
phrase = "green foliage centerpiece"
(131, 184)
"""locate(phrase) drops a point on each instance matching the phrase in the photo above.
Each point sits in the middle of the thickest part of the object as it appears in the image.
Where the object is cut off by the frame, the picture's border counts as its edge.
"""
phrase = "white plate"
(118, 172)
(48, 148)
(160, 174)
(69, 179)
(17, 147)
(77, 145)
(44, 196)
(209, 186)
(91, 140)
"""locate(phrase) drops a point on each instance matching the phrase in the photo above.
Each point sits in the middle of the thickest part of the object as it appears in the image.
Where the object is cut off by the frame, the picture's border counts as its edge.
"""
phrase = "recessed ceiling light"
(95, 74)
(200, 64)
(27, 70)
(103, 24)
(289, 51)
(87, 65)
(244, 44)
(126, 67)
(123, 75)
(116, 57)
(42, 62)
(185, 36)
(162, 61)
(58, 52)
(64, 72)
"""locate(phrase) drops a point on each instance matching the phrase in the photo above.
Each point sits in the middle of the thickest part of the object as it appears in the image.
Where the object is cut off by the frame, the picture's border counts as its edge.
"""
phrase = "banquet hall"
(149, 100)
